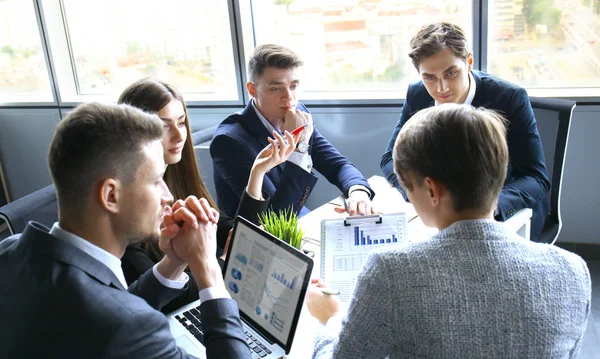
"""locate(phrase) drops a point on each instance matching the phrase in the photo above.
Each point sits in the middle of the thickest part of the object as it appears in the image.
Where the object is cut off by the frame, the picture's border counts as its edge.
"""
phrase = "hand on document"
(358, 203)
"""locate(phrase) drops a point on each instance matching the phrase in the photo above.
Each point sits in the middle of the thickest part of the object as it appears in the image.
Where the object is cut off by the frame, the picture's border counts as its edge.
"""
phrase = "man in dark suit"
(63, 290)
(440, 54)
(275, 108)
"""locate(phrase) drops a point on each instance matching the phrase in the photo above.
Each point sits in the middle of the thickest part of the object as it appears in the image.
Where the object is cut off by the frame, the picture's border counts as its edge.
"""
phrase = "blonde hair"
(461, 147)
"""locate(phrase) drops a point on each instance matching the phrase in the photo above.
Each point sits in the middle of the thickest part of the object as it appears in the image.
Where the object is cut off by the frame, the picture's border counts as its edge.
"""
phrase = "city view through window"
(23, 71)
(186, 43)
(360, 45)
(352, 49)
(545, 43)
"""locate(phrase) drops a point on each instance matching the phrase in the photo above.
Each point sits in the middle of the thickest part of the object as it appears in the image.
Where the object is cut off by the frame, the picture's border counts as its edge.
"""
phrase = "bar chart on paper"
(345, 244)
(365, 237)
(373, 237)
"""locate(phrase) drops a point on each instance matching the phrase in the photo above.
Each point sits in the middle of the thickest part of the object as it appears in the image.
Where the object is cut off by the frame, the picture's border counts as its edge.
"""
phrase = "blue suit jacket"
(526, 184)
(235, 145)
(59, 302)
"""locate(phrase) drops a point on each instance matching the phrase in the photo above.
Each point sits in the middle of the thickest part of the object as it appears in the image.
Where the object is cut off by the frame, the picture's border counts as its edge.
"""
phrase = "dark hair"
(461, 147)
(270, 55)
(433, 38)
(97, 141)
(183, 178)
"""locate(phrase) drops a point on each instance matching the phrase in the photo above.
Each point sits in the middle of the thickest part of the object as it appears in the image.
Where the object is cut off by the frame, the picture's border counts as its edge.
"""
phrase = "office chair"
(39, 206)
(202, 136)
(202, 141)
(555, 160)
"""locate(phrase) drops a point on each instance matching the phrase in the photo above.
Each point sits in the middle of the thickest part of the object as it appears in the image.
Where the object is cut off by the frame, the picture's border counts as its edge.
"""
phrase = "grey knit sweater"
(471, 291)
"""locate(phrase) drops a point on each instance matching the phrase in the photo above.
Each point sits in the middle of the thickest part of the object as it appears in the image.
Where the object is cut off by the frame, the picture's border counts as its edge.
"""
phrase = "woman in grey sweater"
(473, 290)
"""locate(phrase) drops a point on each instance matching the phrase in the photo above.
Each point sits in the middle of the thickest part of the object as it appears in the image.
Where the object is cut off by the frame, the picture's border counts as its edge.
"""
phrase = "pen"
(294, 133)
(345, 200)
(330, 291)
(298, 130)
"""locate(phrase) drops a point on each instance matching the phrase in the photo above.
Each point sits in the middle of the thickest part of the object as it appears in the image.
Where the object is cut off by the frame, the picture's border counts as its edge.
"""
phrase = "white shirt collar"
(471, 93)
(112, 262)
(268, 125)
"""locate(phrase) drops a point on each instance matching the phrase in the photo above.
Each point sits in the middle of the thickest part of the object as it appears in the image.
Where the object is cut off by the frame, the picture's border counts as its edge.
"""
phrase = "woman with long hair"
(182, 175)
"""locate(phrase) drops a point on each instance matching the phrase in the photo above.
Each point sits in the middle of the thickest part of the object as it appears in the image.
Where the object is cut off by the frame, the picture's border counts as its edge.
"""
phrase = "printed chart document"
(345, 244)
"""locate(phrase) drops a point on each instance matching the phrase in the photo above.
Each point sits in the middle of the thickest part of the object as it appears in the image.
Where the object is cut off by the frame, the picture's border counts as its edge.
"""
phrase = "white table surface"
(387, 200)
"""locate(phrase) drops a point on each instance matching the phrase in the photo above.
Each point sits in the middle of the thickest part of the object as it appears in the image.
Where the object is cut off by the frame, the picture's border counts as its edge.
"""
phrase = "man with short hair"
(473, 290)
(441, 55)
(64, 293)
(273, 85)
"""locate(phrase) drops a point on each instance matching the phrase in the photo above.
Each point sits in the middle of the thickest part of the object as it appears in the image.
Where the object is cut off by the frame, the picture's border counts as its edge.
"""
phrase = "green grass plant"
(283, 225)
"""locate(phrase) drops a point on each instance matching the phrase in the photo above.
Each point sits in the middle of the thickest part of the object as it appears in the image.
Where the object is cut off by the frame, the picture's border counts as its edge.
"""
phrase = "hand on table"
(359, 202)
(320, 305)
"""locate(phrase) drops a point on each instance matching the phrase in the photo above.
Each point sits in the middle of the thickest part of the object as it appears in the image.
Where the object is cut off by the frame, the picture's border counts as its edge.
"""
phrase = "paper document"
(345, 244)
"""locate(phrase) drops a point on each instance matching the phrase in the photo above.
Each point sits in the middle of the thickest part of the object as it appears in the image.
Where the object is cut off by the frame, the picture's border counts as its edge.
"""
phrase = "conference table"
(387, 200)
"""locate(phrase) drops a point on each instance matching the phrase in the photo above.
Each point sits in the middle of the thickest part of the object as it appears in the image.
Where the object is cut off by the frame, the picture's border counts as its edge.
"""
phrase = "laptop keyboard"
(256, 346)
(191, 320)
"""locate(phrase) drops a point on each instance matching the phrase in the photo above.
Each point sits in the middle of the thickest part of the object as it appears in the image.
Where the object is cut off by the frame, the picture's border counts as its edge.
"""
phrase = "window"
(546, 45)
(103, 46)
(353, 49)
(23, 71)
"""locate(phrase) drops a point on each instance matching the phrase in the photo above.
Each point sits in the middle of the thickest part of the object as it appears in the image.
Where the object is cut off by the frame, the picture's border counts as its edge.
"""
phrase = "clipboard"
(346, 242)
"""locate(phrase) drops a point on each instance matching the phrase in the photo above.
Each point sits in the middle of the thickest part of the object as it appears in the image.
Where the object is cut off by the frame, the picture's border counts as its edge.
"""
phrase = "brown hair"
(270, 55)
(461, 147)
(97, 141)
(183, 178)
(433, 38)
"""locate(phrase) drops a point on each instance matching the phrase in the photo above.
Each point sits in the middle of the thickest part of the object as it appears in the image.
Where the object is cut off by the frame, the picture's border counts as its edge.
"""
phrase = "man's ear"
(470, 61)
(435, 190)
(251, 87)
(109, 193)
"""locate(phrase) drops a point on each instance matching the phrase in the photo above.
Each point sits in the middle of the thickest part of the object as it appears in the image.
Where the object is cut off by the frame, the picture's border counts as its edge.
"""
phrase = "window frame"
(479, 45)
(66, 75)
(49, 68)
(243, 40)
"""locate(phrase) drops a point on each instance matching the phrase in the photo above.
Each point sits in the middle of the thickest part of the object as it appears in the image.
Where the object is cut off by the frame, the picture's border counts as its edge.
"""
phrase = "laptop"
(268, 279)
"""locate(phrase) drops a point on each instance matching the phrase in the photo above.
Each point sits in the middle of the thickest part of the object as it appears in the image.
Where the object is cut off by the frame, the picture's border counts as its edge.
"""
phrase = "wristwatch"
(302, 147)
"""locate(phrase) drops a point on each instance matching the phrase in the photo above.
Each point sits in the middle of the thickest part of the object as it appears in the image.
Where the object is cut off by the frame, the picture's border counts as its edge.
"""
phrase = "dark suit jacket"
(59, 302)
(527, 183)
(235, 145)
(137, 260)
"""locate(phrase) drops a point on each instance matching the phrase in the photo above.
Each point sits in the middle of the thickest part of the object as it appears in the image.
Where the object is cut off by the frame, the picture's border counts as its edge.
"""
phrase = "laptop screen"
(268, 280)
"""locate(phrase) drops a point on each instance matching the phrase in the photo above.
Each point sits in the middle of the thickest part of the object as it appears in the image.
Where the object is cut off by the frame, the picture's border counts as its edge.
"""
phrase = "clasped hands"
(188, 236)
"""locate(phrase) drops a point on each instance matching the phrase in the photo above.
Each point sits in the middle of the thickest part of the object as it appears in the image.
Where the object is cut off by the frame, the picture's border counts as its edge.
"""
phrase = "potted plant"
(283, 225)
